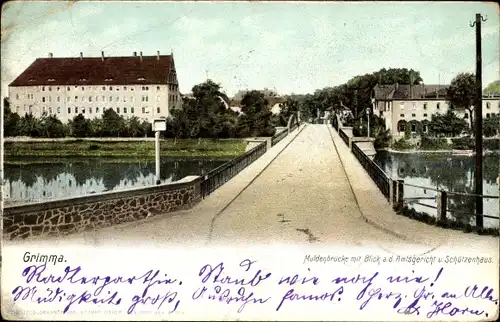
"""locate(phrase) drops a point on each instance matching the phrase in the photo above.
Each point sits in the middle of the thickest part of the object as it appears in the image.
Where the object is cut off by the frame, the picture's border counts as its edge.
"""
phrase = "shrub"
(427, 143)
(402, 144)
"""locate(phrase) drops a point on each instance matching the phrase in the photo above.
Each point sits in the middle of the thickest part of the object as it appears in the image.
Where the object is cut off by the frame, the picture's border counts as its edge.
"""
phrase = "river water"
(38, 179)
(447, 172)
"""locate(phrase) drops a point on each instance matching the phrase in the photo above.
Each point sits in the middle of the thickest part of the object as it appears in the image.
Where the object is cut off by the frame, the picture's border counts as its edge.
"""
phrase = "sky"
(291, 47)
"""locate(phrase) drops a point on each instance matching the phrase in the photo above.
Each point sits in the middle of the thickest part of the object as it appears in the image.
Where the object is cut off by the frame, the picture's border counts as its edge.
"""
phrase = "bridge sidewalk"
(378, 212)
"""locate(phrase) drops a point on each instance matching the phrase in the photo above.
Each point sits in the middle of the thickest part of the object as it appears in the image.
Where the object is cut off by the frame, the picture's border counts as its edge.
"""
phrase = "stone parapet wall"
(72, 215)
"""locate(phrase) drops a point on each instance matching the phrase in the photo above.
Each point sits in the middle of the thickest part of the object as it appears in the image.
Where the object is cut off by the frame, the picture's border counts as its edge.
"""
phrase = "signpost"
(158, 126)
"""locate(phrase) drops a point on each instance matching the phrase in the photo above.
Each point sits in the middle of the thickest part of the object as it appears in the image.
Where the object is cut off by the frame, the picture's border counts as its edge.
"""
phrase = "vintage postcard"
(309, 161)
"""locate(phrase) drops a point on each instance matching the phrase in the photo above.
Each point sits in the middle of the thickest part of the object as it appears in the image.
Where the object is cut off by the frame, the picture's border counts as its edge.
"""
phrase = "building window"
(487, 115)
(58, 110)
(76, 110)
(488, 105)
(425, 106)
(103, 98)
(83, 98)
(147, 88)
(58, 89)
(83, 88)
(117, 99)
(58, 98)
(50, 110)
(90, 98)
(69, 110)
(90, 110)
(111, 98)
(438, 105)
(132, 110)
(68, 88)
(43, 110)
(413, 115)
(117, 110)
(110, 88)
(124, 99)
(143, 110)
(158, 110)
(104, 88)
(97, 110)
(17, 109)
(83, 110)
(117, 88)
(17, 96)
(157, 88)
(76, 98)
(132, 89)
(124, 88)
(43, 88)
(125, 110)
(425, 114)
(401, 115)
(43, 99)
(414, 128)
(97, 98)
(425, 128)
(401, 126)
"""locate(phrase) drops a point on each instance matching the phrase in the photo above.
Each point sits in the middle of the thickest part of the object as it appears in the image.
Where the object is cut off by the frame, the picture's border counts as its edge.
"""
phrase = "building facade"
(141, 86)
(399, 105)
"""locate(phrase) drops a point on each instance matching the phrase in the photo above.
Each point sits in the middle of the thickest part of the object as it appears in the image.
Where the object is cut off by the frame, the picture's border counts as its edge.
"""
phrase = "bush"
(465, 143)
(402, 144)
(427, 143)
(491, 144)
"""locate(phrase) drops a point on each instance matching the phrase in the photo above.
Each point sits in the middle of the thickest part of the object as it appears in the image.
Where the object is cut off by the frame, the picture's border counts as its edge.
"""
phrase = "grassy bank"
(441, 144)
(206, 148)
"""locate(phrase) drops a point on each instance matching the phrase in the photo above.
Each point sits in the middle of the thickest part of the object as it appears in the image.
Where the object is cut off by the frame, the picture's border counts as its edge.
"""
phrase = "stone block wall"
(66, 216)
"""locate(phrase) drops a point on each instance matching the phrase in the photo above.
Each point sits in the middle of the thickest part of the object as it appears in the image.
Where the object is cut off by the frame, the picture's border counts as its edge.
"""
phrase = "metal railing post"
(441, 202)
(400, 202)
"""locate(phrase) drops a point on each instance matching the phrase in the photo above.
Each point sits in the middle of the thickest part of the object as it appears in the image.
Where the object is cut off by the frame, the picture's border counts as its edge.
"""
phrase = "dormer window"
(108, 79)
(51, 80)
(83, 79)
(141, 78)
(32, 79)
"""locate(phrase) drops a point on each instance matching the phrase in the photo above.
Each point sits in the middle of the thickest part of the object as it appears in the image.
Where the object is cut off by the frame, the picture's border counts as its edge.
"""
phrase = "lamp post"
(159, 125)
(368, 114)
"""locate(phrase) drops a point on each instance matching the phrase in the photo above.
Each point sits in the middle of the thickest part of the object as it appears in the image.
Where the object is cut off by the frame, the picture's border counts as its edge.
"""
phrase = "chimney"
(50, 55)
(81, 55)
(102, 55)
(135, 54)
(140, 53)
(158, 55)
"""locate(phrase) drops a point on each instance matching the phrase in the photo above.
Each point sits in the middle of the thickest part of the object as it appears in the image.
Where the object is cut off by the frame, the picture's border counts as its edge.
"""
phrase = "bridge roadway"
(307, 189)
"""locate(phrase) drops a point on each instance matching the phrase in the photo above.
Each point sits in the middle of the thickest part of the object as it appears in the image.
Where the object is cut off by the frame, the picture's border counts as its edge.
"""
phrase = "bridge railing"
(344, 137)
(378, 175)
(278, 137)
(222, 174)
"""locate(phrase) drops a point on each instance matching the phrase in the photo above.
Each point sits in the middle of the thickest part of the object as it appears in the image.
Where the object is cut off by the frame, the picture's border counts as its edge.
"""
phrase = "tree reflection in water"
(73, 177)
(446, 172)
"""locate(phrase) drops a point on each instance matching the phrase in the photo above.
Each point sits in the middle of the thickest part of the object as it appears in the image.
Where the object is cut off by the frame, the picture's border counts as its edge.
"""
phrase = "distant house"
(274, 104)
(399, 105)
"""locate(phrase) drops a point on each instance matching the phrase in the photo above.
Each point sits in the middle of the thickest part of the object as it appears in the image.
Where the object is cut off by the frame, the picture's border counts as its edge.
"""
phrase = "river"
(447, 172)
(36, 180)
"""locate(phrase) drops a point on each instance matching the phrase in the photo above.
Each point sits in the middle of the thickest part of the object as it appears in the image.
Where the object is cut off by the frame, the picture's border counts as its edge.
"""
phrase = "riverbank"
(182, 148)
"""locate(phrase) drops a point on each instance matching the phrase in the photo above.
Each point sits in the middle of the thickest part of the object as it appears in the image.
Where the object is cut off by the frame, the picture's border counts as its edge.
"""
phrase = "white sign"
(159, 125)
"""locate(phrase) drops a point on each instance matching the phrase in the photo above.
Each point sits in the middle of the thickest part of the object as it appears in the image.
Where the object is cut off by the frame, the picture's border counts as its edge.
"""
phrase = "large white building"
(141, 86)
(398, 105)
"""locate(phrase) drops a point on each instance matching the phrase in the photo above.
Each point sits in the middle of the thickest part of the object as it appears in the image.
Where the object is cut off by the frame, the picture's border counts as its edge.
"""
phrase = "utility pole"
(478, 111)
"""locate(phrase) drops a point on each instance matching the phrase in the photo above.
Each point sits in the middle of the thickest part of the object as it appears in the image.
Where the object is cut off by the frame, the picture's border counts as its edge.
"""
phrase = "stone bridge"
(308, 188)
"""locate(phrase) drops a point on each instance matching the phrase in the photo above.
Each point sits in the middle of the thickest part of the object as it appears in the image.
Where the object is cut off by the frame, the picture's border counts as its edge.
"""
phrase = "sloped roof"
(395, 91)
(97, 71)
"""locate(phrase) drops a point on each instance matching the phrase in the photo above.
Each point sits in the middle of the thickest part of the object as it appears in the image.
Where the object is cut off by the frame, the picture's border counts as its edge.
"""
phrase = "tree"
(256, 120)
(53, 127)
(30, 126)
(491, 125)
(462, 93)
(493, 88)
(11, 120)
(448, 124)
(80, 126)
(113, 124)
